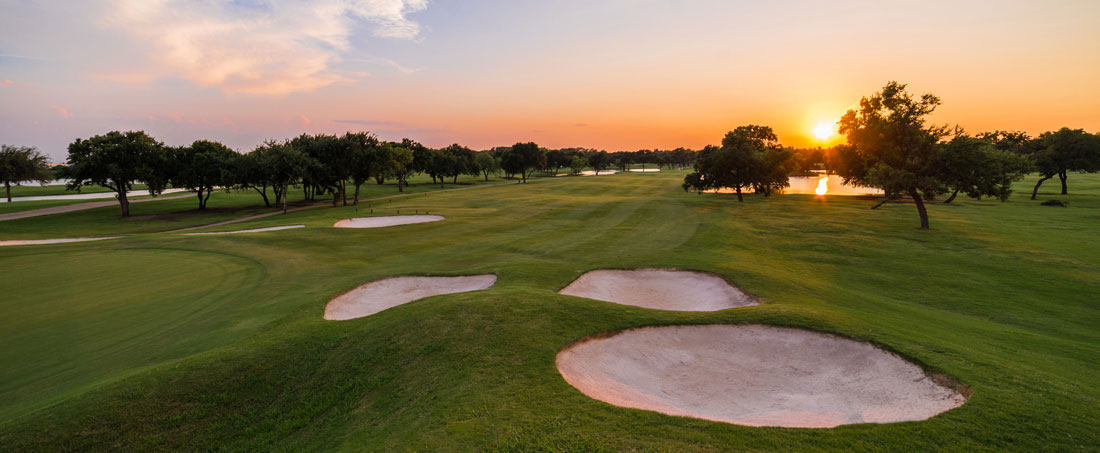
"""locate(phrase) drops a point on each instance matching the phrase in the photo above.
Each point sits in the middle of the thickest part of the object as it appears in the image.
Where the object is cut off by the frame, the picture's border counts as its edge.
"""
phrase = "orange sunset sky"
(615, 75)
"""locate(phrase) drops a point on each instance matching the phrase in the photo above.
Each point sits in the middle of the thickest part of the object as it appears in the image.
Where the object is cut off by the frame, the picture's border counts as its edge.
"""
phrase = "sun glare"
(822, 186)
(824, 130)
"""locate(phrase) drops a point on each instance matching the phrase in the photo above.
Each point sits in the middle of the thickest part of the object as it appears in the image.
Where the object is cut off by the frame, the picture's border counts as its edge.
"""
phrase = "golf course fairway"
(160, 341)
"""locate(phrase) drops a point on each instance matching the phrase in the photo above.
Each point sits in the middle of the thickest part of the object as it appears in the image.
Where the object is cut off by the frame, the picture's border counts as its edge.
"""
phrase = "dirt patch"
(385, 221)
(253, 230)
(51, 241)
(379, 295)
(754, 375)
(661, 289)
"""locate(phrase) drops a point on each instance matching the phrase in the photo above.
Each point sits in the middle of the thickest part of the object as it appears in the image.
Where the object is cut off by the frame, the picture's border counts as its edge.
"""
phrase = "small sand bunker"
(253, 230)
(385, 221)
(52, 241)
(379, 295)
(661, 289)
(754, 375)
(594, 173)
(645, 170)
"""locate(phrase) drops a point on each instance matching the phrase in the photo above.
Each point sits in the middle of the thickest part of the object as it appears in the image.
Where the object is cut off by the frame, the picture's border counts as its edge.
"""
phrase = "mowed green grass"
(170, 214)
(1001, 296)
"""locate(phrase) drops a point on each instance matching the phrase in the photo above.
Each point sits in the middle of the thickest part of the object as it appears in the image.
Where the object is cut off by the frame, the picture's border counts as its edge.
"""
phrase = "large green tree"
(364, 159)
(23, 164)
(118, 160)
(530, 158)
(284, 166)
(487, 163)
(599, 160)
(973, 166)
(251, 171)
(398, 160)
(202, 167)
(750, 157)
(1060, 152)
(890, 146)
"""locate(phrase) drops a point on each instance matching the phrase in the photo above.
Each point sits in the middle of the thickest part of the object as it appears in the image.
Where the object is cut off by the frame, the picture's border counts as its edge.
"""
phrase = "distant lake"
(809, 184)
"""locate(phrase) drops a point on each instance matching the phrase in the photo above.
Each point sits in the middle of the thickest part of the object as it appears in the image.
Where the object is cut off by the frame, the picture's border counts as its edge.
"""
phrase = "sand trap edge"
(324, 315)
(755, 300)
(347, 223)
(938, 377)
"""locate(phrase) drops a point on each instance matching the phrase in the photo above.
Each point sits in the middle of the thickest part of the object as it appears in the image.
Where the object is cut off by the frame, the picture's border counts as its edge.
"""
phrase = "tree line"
(321, 164)
(890, 146)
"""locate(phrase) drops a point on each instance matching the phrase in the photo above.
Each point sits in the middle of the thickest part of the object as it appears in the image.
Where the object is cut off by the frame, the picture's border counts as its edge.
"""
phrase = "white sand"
(379, 295)
(662, 289)
(645, 170)
(385, 221)
(52, 241)
(253, 230)
(754, 375)
(593, 172)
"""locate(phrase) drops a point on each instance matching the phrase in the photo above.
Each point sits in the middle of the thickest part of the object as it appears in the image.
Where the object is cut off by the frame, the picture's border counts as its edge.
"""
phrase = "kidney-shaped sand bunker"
(662, 289)
(379, 295)
(385, 221)
(754, 375)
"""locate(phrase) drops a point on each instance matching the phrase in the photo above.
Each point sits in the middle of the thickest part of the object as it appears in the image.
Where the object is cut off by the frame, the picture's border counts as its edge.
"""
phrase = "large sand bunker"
(253, 230)
(385, 221)
(754, 375)
(662, 289)
(379, 295)
(51, 241)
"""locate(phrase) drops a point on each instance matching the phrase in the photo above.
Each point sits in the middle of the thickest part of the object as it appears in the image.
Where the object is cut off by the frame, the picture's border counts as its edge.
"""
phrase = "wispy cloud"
(21, 57)
(259, 48)
(4, 83)
(62, 111)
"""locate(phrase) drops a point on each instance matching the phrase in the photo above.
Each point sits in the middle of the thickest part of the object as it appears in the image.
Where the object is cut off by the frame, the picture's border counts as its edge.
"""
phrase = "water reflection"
(833, 185)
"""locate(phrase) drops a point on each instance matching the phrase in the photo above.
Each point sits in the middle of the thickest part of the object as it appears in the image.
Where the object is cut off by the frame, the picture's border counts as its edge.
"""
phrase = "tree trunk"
(207, 199)
(885, 199)
(1035, 192)
(124, 203)
(486, 176)
(356, 202)
(286, 187)
(379, 180)
(344, 192)
(740, 199)
(523, 175)
(920, 208)
(202, 203)
(263, 193)
(455, 180)
(952, 197)
(7, 186)
(399, 181)
(1063, 177)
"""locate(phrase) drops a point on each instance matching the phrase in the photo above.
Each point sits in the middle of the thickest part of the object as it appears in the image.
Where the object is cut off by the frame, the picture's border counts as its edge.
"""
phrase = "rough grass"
(1000, 296)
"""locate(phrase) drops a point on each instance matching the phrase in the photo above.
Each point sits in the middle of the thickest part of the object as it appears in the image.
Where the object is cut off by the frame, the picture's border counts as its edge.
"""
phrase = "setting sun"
(824, 130)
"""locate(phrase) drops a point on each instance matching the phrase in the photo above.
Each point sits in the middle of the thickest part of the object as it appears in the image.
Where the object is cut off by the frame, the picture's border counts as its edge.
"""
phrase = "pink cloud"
(4, 83)
(305, 120)
(285, 48)
(62, 111)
